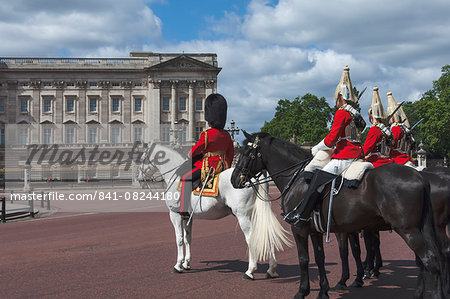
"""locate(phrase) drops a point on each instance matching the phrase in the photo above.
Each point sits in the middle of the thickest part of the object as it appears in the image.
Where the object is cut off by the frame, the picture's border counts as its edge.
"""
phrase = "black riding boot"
(302, 213)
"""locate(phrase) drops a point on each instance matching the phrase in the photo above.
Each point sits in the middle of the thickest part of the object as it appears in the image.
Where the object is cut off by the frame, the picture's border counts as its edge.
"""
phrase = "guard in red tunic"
(344, 140)
(379, 139)
(213, 152)
(403, 140)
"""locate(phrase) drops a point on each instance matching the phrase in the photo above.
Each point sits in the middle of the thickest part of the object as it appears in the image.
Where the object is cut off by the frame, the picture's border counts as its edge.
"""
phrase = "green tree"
(434, 108)
(305, 118)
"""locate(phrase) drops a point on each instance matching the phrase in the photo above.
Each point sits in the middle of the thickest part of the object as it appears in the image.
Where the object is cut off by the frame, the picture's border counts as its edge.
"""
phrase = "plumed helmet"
(345, 87)
(216, 110)
(376, 109)
(399, 116)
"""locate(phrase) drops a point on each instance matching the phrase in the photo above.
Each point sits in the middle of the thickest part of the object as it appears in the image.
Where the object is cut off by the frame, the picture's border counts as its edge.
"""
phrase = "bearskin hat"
(216, 110)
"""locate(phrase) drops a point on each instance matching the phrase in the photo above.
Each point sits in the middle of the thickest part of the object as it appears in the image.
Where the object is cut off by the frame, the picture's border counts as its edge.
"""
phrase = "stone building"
(109, 103)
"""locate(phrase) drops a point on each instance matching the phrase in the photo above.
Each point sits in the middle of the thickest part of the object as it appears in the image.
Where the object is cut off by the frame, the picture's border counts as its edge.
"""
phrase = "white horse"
(263, 233)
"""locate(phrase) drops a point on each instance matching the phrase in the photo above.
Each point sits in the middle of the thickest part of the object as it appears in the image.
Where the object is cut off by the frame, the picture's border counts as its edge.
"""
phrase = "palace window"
(137, 134)
(23, 136)
(47, 105)
(165, 104)
(93, 135)
(115, 135)
(137, 105)
(198, 104)
(46, 135)
(165, 133)
(115, 105)
(23, 105)
(182, 104)
(70, 135)
(70, 105)
(92, 105)
(2, 105)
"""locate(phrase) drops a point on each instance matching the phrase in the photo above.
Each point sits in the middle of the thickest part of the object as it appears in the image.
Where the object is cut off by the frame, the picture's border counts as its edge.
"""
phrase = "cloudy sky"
(269, 50)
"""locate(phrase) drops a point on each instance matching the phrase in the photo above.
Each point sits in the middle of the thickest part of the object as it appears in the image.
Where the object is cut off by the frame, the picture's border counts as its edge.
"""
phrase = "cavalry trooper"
(212, 153)
(403, 140)
(379, 140)
(345, 137)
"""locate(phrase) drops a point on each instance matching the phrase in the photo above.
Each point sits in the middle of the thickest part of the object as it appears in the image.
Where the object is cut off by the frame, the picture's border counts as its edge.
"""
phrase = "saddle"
(211, 188)
(352, 176)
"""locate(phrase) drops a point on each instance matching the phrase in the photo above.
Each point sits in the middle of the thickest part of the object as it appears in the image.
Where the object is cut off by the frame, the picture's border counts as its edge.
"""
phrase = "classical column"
(191, 113)
(173, 108)
(153, 111)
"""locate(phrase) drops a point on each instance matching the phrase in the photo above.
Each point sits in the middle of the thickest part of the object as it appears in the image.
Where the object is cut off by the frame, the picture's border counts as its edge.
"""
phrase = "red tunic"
(344, 149)
(396, 155)
(370, 148)
(214, 141)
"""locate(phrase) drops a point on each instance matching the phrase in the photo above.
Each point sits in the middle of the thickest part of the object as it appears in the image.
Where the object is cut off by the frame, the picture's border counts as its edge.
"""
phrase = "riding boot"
(312, 196)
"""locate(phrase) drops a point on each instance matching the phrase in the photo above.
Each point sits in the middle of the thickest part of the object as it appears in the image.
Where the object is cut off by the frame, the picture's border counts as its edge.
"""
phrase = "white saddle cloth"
(354, 172)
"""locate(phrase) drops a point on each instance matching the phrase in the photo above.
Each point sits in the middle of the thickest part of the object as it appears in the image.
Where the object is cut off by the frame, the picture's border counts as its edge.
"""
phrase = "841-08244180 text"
(97, 195)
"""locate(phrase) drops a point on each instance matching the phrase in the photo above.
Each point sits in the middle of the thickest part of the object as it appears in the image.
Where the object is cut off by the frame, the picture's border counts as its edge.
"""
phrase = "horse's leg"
(187, 243)
(444, 243)
(377, 253)
(342, 239)
(420, 288)
(426, 248)
(301, 240)
(177, 222)
(356, 251)
(370, 253)
(272, 271)
(319, 255)
(246, 225)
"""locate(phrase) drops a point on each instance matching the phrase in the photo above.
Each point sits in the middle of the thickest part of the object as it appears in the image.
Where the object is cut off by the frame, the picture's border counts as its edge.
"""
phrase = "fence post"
(31, 205)
(3, 209)
(42, 199)
(48, 202)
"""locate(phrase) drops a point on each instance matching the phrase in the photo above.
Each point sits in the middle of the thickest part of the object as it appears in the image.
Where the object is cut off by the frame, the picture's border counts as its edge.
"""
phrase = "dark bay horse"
(390, 196)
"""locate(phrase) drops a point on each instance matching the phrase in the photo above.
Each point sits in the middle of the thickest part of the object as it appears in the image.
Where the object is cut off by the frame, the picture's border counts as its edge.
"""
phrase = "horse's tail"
(267, 234)
(429, 233)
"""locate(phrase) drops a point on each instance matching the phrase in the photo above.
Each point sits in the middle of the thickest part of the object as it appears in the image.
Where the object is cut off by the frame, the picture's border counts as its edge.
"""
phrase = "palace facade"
(105, 103)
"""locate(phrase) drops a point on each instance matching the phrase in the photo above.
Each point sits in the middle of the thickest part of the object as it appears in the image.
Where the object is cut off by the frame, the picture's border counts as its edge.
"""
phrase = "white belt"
(348, 139)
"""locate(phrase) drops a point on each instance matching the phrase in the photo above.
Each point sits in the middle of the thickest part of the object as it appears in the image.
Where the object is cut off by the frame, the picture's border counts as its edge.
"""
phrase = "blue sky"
(268, 50)
(190, 20)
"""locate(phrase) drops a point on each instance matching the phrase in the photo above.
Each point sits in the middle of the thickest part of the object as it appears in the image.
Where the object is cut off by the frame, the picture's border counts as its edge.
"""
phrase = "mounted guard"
(212, 154)
(379, 140)
(343, 141)
(403, 140)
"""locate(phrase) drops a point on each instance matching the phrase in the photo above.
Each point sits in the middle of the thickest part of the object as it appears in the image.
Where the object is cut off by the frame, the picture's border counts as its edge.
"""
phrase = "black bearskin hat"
(216, 111)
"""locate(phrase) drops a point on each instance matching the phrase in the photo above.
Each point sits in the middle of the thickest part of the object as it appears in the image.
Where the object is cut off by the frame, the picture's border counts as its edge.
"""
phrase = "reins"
(268, 179)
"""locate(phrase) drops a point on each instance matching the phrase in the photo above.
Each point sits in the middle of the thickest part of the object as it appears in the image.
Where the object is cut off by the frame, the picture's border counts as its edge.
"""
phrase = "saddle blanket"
(211, 187)
(352, 175)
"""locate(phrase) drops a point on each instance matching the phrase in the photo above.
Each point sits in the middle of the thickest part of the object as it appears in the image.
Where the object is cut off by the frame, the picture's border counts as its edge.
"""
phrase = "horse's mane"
(289, 147)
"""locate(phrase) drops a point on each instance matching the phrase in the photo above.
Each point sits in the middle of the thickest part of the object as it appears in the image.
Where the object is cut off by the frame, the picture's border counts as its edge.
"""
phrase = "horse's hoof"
(178, 271)
(339, 287)
(270, 276)
(374, 275)
(357, 284)
(366, 276)
(187, 268)
(247, 277)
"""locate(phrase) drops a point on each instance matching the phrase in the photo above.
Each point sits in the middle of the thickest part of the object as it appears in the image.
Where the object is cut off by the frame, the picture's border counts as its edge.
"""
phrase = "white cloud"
(76, 28)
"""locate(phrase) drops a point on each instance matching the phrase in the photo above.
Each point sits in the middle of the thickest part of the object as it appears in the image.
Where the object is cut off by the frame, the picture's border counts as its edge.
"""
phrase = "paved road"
(130, 255)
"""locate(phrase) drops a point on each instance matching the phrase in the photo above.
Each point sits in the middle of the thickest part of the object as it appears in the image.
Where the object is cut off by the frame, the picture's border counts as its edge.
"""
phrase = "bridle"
(246, 173)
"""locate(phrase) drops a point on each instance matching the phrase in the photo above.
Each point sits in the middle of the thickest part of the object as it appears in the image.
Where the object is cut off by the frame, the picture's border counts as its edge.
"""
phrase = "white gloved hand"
(318, 147)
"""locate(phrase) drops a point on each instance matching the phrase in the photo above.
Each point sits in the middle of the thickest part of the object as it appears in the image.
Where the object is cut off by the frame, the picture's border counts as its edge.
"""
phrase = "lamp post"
(233, 129)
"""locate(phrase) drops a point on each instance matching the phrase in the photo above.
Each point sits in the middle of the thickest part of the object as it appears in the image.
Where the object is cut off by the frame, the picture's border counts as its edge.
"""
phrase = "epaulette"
(385, 131)
(353, 112)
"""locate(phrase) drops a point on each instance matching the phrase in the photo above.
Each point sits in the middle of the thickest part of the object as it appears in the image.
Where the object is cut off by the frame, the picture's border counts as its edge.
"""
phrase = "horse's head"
(250, 162)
